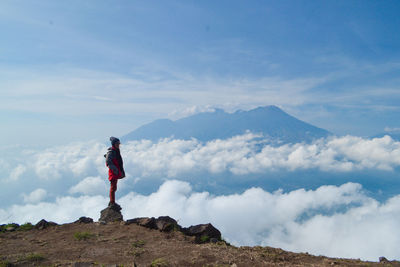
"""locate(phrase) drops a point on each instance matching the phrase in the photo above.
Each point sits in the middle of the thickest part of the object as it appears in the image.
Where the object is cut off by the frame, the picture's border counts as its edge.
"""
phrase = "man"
(116, 167)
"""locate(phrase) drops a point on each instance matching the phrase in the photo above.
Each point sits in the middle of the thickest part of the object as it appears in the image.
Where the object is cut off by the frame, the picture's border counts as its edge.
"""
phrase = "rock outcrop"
(163, 223)
(84, 220)
(43, 224)
(111, 214)
(203, 233)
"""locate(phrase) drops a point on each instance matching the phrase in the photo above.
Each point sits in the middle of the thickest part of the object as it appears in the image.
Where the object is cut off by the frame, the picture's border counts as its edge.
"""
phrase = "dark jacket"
(115, 164)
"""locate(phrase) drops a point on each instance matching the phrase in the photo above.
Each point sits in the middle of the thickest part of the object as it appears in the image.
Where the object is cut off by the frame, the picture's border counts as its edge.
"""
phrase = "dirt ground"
(116, 244)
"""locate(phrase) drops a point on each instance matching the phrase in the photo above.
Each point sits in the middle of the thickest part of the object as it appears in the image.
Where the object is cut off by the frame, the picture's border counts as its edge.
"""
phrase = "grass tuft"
(5, 264)
(26, 227)
(204, 238)
(138, 244)
(82, 235)
(160, 262)
(33, 257)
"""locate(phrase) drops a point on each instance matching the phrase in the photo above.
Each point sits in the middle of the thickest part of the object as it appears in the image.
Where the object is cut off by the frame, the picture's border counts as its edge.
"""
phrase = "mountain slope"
(118, 244)
(270, 121)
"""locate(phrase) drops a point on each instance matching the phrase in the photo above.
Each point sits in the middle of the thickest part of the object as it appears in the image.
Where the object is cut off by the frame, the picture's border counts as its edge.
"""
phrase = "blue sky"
(82, 70)
(73, 73)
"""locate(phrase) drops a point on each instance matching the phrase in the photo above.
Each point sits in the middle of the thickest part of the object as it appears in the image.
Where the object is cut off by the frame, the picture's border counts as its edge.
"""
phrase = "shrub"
(82, 235)
(204, 238)
(138, 244)
(5, 264)
(26, 227)
(160, 262)
(34, 257)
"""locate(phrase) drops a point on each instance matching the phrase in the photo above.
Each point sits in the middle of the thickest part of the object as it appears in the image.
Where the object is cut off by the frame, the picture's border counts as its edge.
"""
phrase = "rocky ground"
(129, 243)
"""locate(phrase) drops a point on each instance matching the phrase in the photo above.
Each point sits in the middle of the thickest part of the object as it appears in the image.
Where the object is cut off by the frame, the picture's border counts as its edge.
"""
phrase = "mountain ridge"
(87, 243)
(270, 121)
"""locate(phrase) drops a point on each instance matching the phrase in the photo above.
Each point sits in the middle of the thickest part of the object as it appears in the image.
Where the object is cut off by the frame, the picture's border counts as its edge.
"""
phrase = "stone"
(111, 214)
(84, 220)
(203, 232)
(144, 221)
(162, 223)
(166, 224)
(383, 259)
(10, 227)
(43, 224)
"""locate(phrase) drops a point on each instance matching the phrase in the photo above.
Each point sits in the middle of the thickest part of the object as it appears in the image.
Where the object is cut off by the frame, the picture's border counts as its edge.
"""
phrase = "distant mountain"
(271, 121)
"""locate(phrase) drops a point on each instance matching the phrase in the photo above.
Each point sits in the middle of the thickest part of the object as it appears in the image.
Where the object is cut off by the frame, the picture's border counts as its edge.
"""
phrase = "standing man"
(116, 167)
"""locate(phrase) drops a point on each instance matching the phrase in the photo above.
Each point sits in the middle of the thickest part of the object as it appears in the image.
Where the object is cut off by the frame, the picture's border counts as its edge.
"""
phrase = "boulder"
(203, 232)
(84, 220)
(43, 224)
(144, 221)
(383, 260)
(111, 214)
(162, 223)
(167, 224)
(11, 228)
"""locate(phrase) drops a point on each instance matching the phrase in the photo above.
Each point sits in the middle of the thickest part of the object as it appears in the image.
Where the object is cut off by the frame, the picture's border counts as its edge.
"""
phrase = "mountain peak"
(271, 121)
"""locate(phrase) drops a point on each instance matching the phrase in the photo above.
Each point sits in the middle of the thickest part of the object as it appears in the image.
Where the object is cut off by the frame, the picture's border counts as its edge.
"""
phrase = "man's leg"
(113, 188)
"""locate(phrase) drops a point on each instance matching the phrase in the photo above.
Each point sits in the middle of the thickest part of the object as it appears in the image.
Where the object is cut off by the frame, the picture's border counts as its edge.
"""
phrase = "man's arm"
(109, 161)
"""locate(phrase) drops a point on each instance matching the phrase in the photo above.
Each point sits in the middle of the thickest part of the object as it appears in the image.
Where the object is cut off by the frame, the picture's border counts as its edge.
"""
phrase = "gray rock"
(383, 259)
(203, 232)
(43, 224)
(162, 223)
(84, 220)
(145, 222)
(10, 229)
(166, 224)
(111, 214)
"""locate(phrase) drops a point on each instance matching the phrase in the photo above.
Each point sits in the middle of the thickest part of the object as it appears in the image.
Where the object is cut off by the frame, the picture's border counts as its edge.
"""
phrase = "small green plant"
(82, 235)
(33, 257)
(138, 244)
(26, 227)
(5, 263)
(204, 238)
(160, 262)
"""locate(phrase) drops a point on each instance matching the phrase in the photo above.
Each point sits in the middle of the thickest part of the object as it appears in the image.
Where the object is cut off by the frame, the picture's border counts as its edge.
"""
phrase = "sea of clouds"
(66, 182)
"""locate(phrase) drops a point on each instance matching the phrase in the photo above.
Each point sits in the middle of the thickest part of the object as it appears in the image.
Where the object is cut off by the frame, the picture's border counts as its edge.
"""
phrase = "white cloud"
(90, 186)
(35, 196)
(76, 159)
(17, 172)
(63, 210)
(339, 221)
(240, 155)
(176, 114)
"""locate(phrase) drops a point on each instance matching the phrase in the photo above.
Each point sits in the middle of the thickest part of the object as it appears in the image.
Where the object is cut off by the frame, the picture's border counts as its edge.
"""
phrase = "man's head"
(115, 141)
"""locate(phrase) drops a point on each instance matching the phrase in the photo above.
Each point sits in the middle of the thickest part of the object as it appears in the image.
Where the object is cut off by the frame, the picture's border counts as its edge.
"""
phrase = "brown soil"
(117, 244)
